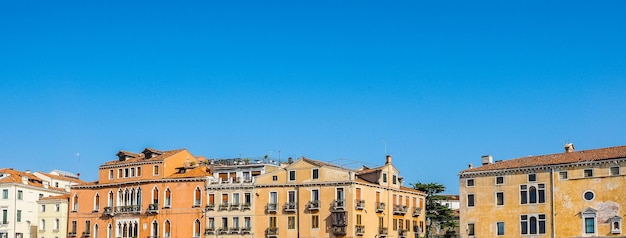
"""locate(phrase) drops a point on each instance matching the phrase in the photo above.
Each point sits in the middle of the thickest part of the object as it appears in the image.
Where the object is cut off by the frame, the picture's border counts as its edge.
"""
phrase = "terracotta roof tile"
(65, 178)
(198, 171)
(141, 157)
(555, 159)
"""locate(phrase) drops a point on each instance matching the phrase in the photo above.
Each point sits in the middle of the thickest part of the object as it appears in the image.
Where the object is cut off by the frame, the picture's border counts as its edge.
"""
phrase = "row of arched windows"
(133, 197)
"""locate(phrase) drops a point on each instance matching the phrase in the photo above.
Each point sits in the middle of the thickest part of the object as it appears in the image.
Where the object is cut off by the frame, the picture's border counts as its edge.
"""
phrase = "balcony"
(71, 234)
(86, 234)
(339, 204)
(360, 204)
(382, 232)
(380, 206)
(246, 230)
(290, 207)
(245, 206)
(359, 230)
(153, 208)
(153, 236)
(339, 230)
(314, 205)
(108, 211)
(271, 207)
(234, 206)
(209, 207)
(402, 233)
(224, 206)
(222, 231)
(132, 209)
(234, 230)
(271, 232)
(399, 210)
(209, 231)
(417, 211)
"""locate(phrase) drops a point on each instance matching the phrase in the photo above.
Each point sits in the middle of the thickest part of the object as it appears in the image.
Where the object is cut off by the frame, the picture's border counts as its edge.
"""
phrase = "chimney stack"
(388, 161)
(569, 147)
(487, 159)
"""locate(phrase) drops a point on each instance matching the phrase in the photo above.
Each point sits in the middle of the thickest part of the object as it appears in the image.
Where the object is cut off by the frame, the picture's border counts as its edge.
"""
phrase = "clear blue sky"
(440, 83)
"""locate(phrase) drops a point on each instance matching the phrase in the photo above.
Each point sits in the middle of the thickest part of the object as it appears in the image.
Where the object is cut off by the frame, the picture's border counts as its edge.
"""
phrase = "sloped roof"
(320, 163)
(59, 177)
(198, 171)
(16, 176)
(555, 159)
(141, 157)
(59, 197)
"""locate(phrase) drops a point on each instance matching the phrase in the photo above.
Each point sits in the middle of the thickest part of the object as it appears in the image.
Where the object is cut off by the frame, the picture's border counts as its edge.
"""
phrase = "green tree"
(437, 215)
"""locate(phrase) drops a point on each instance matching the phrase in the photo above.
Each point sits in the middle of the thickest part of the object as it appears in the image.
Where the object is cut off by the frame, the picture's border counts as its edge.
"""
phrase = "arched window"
(75, 203)
(155, 195)
(95, 231)
(110, 231)
(196, 228)
(167, 229)
(96, 202)
(533, 225)
(197, 197)
(138, 195)
(155, 229)
(532, 194)
(168, 197)
(110, 200)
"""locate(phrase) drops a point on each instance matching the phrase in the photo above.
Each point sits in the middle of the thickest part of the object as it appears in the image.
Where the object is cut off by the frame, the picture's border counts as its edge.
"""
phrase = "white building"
(19, 193)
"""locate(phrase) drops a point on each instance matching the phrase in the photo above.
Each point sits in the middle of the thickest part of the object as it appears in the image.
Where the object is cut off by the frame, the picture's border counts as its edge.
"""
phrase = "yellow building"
(570, 194)
(52, 215)
(310, 198)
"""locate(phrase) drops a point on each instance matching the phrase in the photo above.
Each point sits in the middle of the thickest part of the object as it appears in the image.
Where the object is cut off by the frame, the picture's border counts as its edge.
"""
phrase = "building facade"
(20, 192)
(569, 194)
(150, 194)
(52, 216)
(310, 198)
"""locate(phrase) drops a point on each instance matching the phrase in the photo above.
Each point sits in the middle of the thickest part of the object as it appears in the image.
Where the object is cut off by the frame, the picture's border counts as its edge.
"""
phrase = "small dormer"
(125, 155)
(151, 153)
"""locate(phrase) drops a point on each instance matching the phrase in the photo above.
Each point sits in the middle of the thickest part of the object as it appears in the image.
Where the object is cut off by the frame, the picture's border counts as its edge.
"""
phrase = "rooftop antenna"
(77, 154)
(385, 144)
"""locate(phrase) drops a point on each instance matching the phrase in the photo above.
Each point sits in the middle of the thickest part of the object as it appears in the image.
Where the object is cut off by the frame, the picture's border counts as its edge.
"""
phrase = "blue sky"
(437, 84)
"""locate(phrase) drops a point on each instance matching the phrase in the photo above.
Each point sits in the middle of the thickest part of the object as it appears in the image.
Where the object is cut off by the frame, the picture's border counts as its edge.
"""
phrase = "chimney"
(28, 171)
(487, 159)
(388, 161)
(569, 147)
(470, 165)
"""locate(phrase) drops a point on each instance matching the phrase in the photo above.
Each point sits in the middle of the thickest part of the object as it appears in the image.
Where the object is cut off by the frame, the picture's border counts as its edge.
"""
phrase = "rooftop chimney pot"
(388, 161)
(487, 159)
(569, 147)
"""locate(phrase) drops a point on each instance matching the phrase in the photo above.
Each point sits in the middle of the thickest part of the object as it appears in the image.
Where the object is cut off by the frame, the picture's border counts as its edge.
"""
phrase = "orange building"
(150, 194)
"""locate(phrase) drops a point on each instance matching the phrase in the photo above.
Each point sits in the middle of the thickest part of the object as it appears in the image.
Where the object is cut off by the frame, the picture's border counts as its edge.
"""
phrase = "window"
(119, 173)
(5, 213)
(381, 222)
(167, 229)
(5, 194)
(126, 173)
(500, 198)
(394, 179)
(87, 226)
(168, 197)
(384, 177)
(42, 225)
(316, 173)
(533, 224)
(19, 216)
(138, 171)
(20, 195)
(315, 221)
(274, 178)
(247, 223)
(470, 200)
(616, 225)
(470, 183)
(588, 173)
(42, 208)
(75, 204)
(132, 172)
(563, 175)
(532, 177)
(96, 204)
(225, 223)
(590, 225)
(614, 171)
(500, 180)
(73, 227)
(197, 197)
(110, 174)
(196, 228)
(154, 232)
(358, 219)
(588, 195)
(57, 207)
(292, 175)
(532, 194)
(41, 195)
(500, 228)
(155, 170)
(247, 199)
(56, 224)
(315, 195)
(291, 222)
(470, 229)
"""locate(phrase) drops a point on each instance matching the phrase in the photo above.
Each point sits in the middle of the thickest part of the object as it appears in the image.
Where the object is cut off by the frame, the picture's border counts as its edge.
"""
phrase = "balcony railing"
(108, 211)
(271, 207)
(339, 204)
(339, 230)
(399, 210)
(153, 208)
(314, 205)
(209, 207)
(234, 230)
(72, 234)
(128, 209)
(402, 233)
(222, 231)
(86, 234)
(417, 211)
(290, 207)
(380, 206)
(245, 206)
(234, 206)
(224, 206)
(359, 230)
(382, 232)
(209, 231)
(360, 204)
(271, 232)
(246, 230)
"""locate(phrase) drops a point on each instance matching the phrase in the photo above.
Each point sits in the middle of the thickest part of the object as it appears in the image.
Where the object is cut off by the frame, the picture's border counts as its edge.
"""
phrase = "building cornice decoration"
(139, 182)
